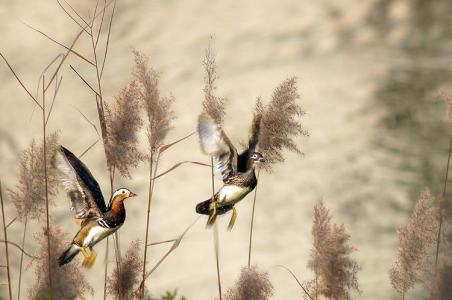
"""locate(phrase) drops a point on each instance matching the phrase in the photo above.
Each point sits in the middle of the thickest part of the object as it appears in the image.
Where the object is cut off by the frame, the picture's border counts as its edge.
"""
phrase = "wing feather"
(244, 161)
(214, 142)
(83, 190)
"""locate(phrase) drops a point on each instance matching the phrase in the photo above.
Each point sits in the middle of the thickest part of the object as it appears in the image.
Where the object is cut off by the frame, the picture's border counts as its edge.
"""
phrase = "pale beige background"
(368, 173)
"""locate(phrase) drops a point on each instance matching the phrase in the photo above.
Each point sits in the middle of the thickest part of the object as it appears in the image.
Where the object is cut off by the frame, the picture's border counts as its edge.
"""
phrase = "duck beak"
(262, 160)
(132, 194)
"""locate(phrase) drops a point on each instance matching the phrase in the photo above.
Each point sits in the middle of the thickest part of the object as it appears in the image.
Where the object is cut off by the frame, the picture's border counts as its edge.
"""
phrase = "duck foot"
(90, 258)
(233, 218)
(213, 213)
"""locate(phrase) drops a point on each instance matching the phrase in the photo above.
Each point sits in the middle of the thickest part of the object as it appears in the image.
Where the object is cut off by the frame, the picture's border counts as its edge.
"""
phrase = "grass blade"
(20, 82)
(59, 44)
(167, 146)
(178, 165)
(298, 281)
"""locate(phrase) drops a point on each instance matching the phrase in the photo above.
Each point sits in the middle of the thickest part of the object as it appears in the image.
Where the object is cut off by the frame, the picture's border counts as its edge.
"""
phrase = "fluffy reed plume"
(159, 116)
(335, 271)
(448, 100)
(252, 284)
(213, 105)
(415, 239)
(123, 282)
(280, 123)
(68, 282)
(29, 197)
(157, 108)
(123, 122)
(442, 287)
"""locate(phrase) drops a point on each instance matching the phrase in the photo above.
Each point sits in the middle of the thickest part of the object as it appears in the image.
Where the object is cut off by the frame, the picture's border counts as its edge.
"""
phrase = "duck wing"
(244, 161)
(215, 142)
(86, 196)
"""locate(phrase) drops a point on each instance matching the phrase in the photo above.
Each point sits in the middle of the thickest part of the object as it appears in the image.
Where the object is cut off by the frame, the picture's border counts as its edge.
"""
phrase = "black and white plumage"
(87, 202)
(235, 170)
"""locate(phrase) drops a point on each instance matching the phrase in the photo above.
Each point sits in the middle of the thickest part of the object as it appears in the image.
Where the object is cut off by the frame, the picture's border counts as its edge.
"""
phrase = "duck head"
(121, 194)
(257, 159)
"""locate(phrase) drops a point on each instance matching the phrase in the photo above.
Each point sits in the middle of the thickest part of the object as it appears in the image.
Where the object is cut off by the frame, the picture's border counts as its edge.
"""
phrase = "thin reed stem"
(252, 219)
(152, 173)
(6, 244)
(46, 179)
(438, 239)
(22, 257)
(106, 268)
(215, 235)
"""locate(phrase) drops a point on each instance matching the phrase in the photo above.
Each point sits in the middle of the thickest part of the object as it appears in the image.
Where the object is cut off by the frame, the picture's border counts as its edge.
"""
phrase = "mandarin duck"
(235, 170)
(97, 220)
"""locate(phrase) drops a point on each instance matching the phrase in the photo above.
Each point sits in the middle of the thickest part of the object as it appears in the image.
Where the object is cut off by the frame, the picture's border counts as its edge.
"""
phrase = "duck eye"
(123, 192)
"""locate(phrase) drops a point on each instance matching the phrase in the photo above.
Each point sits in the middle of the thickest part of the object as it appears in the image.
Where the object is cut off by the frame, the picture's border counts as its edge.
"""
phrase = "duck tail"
(68, 254)
(203, 207)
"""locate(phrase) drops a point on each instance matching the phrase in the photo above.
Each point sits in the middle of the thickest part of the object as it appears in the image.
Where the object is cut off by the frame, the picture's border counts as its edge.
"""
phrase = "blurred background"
(369, 74)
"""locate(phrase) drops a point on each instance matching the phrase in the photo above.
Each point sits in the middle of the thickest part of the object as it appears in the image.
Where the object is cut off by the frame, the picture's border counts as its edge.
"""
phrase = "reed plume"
(123, 282)
(252, 284)
(123, 123)
(280, 123)
(29, 196)
(448, 101)
(159, 117)
(68, 282)
(212, 104)
(335, 270)
(415, 240)
(158, 109)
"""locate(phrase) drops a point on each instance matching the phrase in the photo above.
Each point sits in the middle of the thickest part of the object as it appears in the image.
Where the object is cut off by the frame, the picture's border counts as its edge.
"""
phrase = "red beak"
(132, 194)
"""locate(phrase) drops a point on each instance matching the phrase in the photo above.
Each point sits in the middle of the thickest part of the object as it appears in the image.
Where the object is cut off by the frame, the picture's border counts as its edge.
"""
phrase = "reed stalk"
(252, 220)
(22, 258)
(215, 236)
(6, 244)
(46, 180)
(152, 174)
(438, 239)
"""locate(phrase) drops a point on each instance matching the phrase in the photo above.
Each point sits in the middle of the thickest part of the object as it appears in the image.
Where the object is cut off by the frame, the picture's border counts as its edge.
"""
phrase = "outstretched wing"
(244, 161)
(214, 142)
(86, 197)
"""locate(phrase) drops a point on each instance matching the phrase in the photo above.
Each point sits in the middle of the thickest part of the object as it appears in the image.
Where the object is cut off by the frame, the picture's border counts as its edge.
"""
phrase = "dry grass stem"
(5, 233)
(306, 293)
(280, 123)
(68, 281)
(20, 249)
(124, 280)
(415, 240)
(252, 284)
(335, 270)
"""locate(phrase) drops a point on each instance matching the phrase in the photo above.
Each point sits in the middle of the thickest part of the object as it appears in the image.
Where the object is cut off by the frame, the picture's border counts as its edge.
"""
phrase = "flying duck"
(97, 220)
(235, 170)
